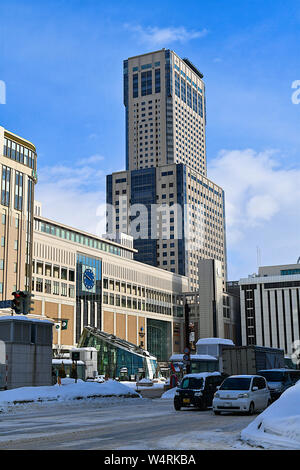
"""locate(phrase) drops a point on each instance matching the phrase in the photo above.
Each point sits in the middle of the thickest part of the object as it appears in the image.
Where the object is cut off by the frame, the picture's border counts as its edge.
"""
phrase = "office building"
(164, 98)
(270, 307)
(164, 199)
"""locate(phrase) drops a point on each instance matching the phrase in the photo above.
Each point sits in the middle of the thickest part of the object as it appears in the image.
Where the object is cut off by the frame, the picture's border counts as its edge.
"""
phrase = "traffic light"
(22, 302)
(27, 302)
(17, 303)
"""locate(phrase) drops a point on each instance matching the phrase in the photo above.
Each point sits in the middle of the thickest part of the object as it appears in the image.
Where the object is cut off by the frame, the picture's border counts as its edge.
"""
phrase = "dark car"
(279, 380)
(197, 390)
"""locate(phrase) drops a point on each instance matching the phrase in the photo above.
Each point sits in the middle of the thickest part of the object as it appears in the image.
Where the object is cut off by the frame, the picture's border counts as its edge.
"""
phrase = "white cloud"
(162, 36)
(262, 207)
(73, 194)
(90, 160)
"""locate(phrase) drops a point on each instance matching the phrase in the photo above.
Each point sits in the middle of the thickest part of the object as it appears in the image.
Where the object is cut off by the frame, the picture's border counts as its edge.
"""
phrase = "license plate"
(227, 403)
(186, 400)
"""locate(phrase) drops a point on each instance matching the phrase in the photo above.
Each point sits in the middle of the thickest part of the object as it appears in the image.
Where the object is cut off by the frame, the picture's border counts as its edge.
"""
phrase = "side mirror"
(218, 387)
(254, 389)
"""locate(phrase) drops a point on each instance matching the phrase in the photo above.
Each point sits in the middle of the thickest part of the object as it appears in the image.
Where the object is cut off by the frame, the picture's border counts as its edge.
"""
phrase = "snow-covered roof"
(228, 342)
(249, 376)
(283, 369)
(88, 348)
(197, 357)
(24, 318)
(66, 361)
(202, 375)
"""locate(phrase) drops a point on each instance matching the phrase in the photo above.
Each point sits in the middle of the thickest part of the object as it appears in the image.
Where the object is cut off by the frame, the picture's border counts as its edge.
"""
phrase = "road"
(126, 424)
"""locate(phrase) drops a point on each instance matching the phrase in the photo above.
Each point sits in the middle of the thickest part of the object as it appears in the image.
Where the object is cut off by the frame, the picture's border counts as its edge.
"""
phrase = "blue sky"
(62, 65)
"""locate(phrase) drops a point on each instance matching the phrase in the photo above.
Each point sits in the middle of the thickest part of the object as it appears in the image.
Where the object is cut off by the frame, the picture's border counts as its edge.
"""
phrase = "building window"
(135, 85)
(56, 272)
(48, 269)
(55, 288)
(71, 291)
(18, 191)
(64, 274)
(64, 291)
(183, 90)
(5, 193)
(39, 285)
(146, 83)
(47, 287)
(157, 81)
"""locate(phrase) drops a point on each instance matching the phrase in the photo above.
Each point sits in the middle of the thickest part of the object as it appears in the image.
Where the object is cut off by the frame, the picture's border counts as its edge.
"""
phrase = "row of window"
(184, 91)
(127, 288)
(53, 287)
(146, 83)
(77, 238)
(6, 188)
(46, 269)
(19, 153)
(134, 304)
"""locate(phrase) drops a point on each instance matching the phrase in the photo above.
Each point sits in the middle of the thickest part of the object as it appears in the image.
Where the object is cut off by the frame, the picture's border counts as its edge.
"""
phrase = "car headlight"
(216, 395)
(243, 395)
(198, 394)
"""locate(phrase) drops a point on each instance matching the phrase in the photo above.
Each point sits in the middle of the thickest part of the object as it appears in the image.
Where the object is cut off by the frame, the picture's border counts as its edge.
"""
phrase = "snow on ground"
(279, 424)
(143, 384)
(69, 390)
(169, 394)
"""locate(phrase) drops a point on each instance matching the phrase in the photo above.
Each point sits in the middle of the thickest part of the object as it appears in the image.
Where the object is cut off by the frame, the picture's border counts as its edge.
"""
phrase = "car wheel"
(203, 406)
(177, 406)
(251, 409)
(217, 412)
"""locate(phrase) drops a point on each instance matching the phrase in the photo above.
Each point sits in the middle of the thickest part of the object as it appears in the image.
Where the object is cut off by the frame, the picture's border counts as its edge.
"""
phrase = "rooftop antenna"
(259, 256)
(298, 260)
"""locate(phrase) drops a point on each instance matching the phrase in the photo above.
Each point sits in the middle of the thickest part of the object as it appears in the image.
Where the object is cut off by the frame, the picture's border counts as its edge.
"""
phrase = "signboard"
(75, 355)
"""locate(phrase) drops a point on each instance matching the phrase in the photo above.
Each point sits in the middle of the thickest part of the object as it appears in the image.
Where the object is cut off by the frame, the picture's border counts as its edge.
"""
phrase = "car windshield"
(272, 376)
(238, 383)
(192, 382)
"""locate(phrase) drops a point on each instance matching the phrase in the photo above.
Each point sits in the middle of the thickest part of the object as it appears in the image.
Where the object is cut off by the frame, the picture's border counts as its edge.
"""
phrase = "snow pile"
(69, 390)
(279, 424)
(169, 394)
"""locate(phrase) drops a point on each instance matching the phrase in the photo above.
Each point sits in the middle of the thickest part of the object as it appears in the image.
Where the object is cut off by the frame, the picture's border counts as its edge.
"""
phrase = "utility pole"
(187, 351)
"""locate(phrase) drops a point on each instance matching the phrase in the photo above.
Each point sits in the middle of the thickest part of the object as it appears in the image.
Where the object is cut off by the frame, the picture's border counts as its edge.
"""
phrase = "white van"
(242, 393)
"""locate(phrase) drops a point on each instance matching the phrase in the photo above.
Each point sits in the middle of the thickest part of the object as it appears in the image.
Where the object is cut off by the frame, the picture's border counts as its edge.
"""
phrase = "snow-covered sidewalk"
(68, 390)
(279, 425)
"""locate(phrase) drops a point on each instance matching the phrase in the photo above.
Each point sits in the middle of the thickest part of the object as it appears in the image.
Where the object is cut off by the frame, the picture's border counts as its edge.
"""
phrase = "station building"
(81, 280)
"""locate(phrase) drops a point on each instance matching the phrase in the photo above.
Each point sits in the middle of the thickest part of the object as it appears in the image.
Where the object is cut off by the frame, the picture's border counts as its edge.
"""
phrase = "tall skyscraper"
(164, 98)
(164, 199)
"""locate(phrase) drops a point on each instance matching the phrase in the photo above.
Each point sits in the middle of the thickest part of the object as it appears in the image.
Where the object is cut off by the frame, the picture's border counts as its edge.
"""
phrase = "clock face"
(89, 279)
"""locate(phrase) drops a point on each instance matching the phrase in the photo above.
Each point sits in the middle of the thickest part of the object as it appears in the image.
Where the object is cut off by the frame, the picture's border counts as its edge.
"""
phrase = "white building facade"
(270, 307)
